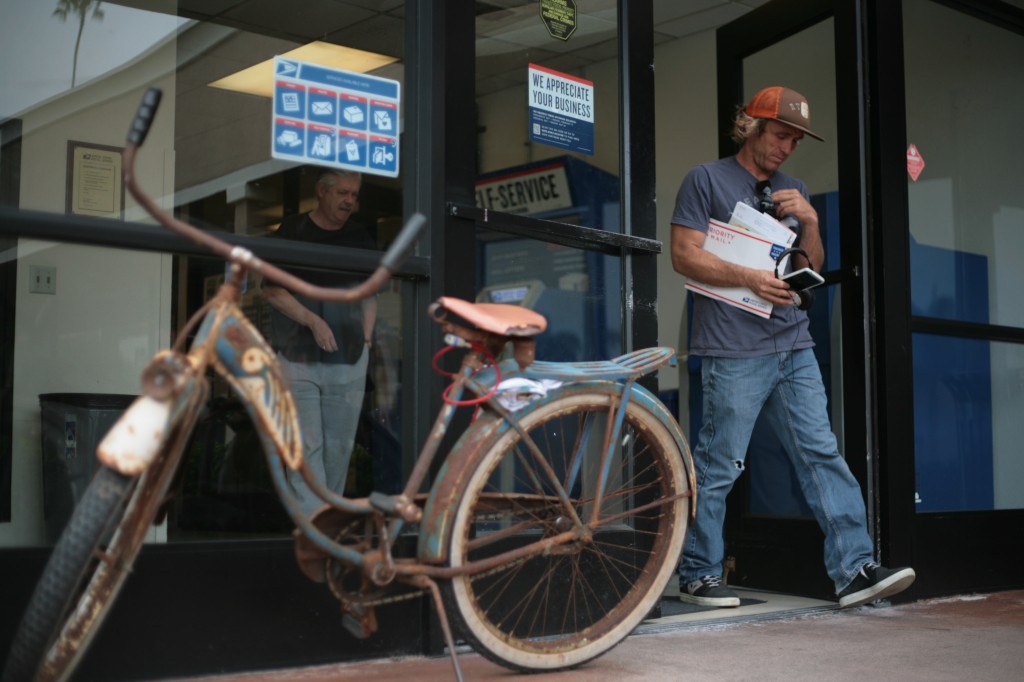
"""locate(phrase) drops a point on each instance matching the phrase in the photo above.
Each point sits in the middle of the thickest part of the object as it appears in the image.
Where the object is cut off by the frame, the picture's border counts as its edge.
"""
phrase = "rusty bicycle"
(548, 533)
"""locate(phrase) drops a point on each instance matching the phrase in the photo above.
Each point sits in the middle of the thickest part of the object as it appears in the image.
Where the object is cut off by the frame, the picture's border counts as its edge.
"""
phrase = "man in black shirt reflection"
(324, 347)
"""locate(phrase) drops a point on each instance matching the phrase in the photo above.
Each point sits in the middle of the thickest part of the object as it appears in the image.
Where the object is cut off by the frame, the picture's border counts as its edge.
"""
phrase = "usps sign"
(561, 110)
(335, 118)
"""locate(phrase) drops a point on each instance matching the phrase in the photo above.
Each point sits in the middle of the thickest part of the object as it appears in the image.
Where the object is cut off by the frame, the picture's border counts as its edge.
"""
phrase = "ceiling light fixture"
(259, 79)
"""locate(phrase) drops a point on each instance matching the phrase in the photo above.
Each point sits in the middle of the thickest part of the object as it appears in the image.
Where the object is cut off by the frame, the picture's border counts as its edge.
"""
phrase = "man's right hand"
(765, 284)
(322, 333)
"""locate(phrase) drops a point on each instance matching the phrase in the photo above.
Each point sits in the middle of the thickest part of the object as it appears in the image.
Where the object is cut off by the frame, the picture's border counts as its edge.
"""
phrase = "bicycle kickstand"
(424, 582)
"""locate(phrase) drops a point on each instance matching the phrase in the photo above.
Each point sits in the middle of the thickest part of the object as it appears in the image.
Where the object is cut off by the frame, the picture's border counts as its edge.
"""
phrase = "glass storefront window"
(577, 44)
(966, 207)
(966, 247)
(209, 153)
(577, 291)
(548, 147)
(78, 356)
(70, 81)
(968, 399)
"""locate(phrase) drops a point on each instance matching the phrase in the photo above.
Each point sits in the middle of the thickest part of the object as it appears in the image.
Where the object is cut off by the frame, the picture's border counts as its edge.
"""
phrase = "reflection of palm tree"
(80, 8)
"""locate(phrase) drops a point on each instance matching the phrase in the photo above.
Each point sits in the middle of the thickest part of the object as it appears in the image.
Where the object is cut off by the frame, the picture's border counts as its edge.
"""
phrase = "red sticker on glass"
(915, 164)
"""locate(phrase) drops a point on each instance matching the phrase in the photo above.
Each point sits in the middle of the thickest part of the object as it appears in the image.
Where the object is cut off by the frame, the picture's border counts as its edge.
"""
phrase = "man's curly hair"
(743, 126)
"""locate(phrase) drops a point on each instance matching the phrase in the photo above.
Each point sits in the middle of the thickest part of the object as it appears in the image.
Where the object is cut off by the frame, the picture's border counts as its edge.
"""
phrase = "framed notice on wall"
(95, 186)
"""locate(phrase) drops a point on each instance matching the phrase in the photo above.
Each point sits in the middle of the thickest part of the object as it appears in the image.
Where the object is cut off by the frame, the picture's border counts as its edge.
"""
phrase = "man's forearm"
(287, 305)
(369, 317)
(810, 242)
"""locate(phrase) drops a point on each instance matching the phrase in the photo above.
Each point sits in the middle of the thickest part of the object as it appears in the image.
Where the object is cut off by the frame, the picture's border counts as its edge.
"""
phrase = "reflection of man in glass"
(324, 347)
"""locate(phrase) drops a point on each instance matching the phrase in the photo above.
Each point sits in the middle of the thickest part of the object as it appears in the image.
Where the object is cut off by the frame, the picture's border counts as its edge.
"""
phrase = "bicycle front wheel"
(580, 597)
(89, 565)
(68, 583)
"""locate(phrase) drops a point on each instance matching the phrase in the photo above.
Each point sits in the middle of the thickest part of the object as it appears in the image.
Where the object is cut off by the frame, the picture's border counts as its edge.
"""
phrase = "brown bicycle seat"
(497, 318)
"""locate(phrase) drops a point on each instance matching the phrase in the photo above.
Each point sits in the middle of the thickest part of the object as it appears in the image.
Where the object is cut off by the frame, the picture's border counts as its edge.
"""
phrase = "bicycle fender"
(656, 406)
(138, 437)
(134, 441)
(442, 504)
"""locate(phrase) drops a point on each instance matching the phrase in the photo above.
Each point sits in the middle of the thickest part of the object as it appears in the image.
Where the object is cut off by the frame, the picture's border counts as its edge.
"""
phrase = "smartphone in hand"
(804, 278)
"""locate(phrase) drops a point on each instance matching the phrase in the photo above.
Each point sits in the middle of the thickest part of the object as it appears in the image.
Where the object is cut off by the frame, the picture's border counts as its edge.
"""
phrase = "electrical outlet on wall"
(42, 279)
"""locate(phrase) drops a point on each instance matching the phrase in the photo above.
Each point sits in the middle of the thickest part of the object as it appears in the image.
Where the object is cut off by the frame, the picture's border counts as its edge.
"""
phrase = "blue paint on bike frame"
(626, 367)
(620, 416)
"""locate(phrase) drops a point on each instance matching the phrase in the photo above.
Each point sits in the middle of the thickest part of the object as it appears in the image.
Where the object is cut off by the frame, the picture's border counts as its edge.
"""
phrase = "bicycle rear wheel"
(574, 602)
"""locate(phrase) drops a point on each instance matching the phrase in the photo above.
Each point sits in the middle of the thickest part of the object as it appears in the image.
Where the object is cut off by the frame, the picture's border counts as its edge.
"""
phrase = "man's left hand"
(792, 202)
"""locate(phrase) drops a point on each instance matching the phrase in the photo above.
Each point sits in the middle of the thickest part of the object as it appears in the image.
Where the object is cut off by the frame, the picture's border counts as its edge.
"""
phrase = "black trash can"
(72, 426)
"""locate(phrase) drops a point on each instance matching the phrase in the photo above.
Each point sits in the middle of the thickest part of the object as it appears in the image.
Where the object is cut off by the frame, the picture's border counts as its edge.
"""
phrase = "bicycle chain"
(419, 593)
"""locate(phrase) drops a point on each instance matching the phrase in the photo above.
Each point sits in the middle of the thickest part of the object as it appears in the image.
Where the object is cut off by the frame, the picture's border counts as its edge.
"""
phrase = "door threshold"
(754, 605)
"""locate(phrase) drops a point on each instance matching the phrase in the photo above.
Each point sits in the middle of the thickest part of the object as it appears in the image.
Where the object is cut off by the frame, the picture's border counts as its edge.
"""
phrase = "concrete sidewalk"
(979, 638)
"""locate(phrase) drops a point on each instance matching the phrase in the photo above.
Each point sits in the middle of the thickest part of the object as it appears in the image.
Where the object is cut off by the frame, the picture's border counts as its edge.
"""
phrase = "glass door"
(772, 540)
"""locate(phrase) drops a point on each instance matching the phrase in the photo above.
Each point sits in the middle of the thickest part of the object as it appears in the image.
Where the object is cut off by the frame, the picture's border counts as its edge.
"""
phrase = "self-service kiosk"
(577, 291)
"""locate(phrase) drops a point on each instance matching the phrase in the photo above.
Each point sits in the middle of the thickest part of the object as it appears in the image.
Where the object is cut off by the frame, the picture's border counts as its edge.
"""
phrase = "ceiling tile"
(316, 18)
(702, 21)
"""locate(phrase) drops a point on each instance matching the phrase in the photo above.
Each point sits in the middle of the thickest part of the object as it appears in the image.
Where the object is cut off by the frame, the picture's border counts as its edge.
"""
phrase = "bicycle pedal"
(360, 621)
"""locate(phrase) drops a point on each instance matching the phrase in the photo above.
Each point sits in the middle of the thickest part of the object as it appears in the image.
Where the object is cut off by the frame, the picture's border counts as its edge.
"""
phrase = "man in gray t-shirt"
(753, 366)
(712, 190)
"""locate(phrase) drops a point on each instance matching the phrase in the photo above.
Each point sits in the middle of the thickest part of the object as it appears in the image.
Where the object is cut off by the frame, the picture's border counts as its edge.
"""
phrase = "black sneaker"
(708, 590)
(874, 582)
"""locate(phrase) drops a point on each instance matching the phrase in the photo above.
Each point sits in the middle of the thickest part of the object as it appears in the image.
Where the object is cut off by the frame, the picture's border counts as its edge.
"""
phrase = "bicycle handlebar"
(144, 116)
(390, 262)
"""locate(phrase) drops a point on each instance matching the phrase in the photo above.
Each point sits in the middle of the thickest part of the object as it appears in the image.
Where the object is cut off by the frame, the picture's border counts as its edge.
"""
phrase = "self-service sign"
(335, 118)
(561, 110)
(536, 190)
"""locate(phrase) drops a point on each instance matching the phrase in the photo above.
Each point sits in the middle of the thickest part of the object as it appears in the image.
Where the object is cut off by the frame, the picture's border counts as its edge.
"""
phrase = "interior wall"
(111, 309)
(686, 130)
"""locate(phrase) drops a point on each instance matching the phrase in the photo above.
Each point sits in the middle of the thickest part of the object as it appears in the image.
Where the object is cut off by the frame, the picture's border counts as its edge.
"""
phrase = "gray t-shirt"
(711, 190)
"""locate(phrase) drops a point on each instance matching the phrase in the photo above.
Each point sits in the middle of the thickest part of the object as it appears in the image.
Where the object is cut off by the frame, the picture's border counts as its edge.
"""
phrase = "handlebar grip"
(403, 244)
(144, 116)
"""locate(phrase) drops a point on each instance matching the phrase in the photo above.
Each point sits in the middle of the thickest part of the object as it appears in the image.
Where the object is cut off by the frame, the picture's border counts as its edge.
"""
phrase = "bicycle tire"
(73, 561)
(91, 561)
(560, 609)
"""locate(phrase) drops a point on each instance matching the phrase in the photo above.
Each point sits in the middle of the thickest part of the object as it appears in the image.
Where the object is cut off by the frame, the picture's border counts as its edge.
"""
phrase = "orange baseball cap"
(782, 105)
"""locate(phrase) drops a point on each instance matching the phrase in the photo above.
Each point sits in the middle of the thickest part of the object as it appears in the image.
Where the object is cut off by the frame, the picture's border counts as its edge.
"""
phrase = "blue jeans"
(787, 387)
(328, 400)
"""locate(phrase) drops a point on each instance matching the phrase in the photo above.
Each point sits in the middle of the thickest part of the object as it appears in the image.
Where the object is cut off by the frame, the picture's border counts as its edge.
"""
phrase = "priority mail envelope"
(743, 247)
